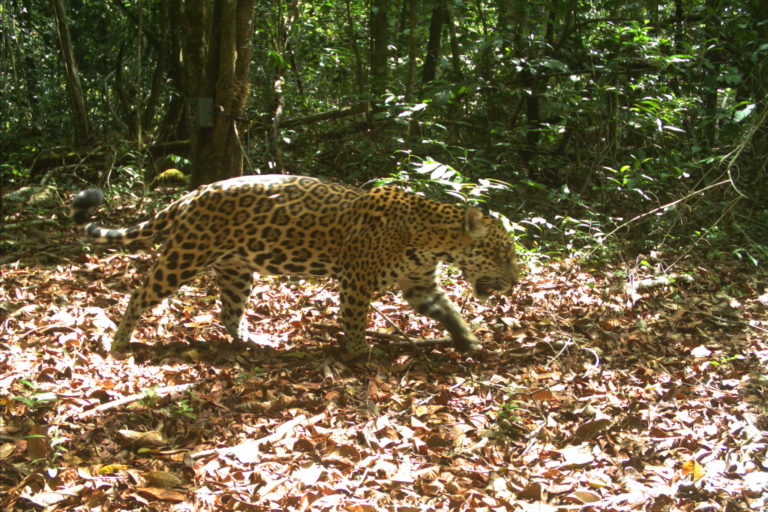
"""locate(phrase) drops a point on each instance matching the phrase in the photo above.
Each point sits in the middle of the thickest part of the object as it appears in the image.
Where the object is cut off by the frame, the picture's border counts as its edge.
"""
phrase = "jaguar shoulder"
(279, 224)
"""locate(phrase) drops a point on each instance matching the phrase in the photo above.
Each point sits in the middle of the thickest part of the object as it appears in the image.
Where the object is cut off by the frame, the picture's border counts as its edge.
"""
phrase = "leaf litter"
(600, 389)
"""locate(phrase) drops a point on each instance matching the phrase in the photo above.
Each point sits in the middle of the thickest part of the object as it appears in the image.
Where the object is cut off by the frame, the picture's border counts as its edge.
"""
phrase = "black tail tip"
(84, 200)
(88, 198)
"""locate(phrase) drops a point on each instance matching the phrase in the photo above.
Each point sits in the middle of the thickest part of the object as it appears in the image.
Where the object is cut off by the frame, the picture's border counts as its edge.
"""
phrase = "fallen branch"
(43, 329)
(389, 321)
(395, 340)
(663, 207)
(358, 108)
(727, 321)
(28, 223)
(156, 392)
(650, 283)
(422, 342)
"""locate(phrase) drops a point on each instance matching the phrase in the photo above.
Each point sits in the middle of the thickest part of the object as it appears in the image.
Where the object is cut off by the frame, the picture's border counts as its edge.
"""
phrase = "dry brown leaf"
(591, 429)
(50, 498)
(37, 443)
(543, 395)
(6, 449)
(577, 456)
(584, 496)
(170, 495)
(147, 439)
(162, 479)
(531, 492)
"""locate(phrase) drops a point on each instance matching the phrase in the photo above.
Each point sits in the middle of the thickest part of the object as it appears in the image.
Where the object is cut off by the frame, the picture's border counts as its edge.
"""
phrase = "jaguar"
(368, 240)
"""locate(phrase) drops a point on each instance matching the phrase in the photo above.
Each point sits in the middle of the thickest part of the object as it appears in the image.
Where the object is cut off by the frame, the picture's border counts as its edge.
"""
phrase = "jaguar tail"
(90, 198)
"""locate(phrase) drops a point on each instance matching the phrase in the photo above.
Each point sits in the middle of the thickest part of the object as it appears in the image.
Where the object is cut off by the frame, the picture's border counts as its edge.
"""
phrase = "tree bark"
(411, 77)
(217, 51)
(439, 15)
(454, 41)
(74, 89)
(169, 49)
(358, 60)
(379, 42)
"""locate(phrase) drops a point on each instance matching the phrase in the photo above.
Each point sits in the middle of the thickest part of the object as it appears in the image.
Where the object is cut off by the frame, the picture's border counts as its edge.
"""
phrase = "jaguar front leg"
(428, 299)
(164, 278)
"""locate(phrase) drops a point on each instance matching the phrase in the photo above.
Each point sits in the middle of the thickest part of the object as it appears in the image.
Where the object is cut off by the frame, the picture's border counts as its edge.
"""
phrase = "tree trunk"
(533, 116)
(358, 60)
(454, 40)
(439, 14)
(379, 42)
(217, 51)
(757, 82)
(286, 15)
(277, 119)
(169, 49)
(411, 78)
(74, 89)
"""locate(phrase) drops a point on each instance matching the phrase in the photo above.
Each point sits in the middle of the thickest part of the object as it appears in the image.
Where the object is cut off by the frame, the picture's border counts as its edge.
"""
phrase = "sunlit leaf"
(692, 468)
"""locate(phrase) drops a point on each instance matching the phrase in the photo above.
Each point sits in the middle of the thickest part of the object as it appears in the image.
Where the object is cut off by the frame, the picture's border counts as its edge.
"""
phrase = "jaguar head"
(489, 263)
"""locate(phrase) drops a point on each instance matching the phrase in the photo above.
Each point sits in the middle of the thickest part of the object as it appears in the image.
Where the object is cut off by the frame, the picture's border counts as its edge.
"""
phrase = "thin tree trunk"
(455, 50)
(411, 77)
(439, 13)
(169, 50)
(410, 83)
(74, 89)
(533, 116)
(379, 42)
(277, 119)
(358, 67)
(286, 15)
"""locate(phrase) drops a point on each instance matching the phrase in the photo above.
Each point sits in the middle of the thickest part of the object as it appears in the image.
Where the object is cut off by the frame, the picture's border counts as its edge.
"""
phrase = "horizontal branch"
(358, 108)
(157, 392)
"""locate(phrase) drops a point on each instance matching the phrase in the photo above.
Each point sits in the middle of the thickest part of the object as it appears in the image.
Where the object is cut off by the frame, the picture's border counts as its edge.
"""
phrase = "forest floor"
(612, 387)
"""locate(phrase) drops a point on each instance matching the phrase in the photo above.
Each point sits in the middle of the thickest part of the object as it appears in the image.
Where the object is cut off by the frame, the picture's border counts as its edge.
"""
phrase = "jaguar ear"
(475, 223)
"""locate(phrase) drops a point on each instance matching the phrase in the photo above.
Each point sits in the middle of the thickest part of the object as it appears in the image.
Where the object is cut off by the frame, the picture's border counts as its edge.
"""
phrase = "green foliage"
(183, 409)
(35, 399)
(171, 177)
(436, 179)
(507, 421)
(508, 410)
(627, 106)
(11, 173)
(253, 373)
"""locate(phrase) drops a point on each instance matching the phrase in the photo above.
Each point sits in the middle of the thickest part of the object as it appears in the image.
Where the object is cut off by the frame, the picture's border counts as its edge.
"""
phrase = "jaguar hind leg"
(164, 278)
(235, 283)
(355, 301)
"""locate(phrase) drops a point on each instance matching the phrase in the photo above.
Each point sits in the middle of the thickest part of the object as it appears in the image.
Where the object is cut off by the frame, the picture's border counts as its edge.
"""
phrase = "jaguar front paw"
(357, 348)
(467, 344)
(118, 351)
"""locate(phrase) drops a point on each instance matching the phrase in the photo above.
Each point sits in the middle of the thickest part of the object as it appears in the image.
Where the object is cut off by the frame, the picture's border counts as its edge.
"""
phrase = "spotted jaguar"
(279, 224)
